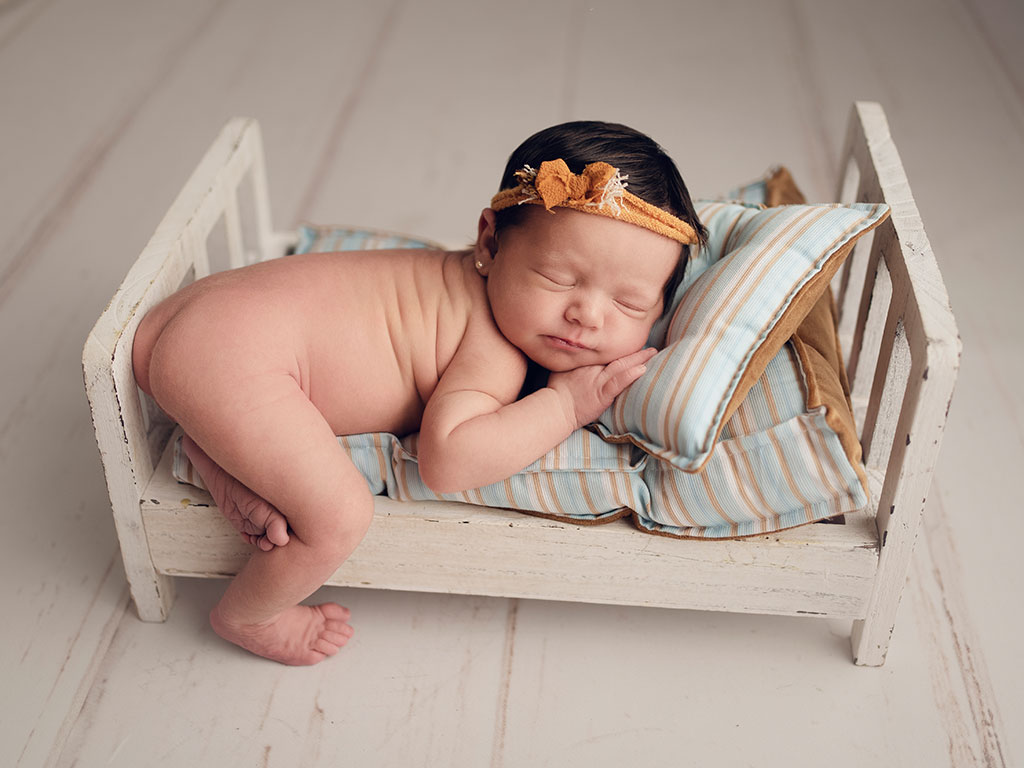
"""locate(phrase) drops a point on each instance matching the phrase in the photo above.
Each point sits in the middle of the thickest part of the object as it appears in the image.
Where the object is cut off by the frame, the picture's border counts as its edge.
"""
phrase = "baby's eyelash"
(631, 307)
(558, 281)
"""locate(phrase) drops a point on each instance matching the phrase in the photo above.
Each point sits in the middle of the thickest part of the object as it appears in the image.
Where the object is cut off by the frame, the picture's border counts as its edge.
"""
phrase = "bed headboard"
(895, 322)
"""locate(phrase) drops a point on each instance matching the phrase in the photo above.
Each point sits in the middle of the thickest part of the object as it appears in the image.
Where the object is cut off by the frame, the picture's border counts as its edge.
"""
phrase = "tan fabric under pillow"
(816, 342)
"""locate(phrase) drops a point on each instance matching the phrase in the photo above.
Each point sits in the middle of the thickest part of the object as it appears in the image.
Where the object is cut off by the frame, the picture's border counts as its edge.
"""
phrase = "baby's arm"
(475, 432)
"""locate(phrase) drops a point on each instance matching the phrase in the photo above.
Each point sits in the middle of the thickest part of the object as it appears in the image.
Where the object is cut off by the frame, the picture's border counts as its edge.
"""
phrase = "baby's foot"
(299, 636)
(256, 519)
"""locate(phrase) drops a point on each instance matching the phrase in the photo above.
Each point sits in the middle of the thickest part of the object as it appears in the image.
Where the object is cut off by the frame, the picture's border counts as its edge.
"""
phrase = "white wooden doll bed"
(902, 356)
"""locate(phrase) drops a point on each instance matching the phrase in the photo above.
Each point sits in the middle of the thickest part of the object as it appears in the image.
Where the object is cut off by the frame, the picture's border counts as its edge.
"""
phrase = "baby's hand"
(588, 391)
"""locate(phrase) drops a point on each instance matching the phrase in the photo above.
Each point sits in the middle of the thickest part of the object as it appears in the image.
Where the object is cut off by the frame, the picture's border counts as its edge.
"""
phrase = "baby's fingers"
(640, 357)
(624, 371)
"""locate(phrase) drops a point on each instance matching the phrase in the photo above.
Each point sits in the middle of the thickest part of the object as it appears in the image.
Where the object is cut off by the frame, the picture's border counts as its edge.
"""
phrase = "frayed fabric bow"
(598, 189)
(600, 184)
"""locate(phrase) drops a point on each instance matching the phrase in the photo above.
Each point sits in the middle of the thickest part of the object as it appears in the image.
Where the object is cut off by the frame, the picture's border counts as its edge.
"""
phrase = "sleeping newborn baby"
(265, 365)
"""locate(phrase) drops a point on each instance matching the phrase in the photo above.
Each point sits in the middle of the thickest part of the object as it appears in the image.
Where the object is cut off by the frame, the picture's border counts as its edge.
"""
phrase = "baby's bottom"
(261, 428)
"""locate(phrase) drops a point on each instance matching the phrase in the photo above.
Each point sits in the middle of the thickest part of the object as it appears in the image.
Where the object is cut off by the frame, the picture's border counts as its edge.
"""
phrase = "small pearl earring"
(479, 264)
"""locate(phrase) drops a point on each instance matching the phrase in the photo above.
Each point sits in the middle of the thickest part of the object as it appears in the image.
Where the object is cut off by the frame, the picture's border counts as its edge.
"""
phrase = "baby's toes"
(337, 639)
(334, 613)
(277, 529)
(320, 645)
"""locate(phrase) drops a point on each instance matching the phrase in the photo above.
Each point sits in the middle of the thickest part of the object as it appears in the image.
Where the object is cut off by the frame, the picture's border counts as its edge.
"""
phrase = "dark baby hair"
(653, 175)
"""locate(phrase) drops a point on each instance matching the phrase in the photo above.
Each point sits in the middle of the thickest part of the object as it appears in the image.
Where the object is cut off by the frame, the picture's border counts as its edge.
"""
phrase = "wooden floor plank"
(16, 16)
(964, 694)
(83, 118)
(376, 703)
(595, 686)
(438, 117)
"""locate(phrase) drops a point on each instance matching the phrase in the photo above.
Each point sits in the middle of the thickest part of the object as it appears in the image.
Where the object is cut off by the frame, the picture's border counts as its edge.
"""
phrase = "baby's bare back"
(367, 334)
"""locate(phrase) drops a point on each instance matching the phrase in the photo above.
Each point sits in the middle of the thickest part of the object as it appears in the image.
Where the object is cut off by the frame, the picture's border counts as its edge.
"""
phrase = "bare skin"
(264, 366)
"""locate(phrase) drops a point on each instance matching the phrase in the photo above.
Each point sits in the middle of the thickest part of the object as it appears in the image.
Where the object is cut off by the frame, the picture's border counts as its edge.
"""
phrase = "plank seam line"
(501, 720)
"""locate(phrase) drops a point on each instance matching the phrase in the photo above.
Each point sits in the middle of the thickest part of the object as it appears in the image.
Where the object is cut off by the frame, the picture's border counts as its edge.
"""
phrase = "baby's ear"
(486, 242)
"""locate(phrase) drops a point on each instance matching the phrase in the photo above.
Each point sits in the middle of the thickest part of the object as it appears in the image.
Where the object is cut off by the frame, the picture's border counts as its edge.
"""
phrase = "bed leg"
(869, 641)
(152, 592)
(153, 597)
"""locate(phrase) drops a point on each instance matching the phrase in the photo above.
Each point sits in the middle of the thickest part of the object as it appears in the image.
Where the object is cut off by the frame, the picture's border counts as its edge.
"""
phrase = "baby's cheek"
(635, 338)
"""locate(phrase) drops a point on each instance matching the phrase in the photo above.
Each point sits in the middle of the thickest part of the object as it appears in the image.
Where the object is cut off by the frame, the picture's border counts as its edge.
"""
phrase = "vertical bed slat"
(869, 319)
(269, 245)
(892, 358)
(233, 223)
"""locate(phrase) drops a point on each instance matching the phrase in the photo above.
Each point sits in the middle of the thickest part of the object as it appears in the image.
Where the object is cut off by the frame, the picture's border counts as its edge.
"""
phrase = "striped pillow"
(742, 297)
(778, 462)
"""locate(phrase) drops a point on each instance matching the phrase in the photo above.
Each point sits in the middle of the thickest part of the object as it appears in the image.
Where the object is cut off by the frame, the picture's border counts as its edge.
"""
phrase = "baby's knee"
(349, 525)
(338, 531)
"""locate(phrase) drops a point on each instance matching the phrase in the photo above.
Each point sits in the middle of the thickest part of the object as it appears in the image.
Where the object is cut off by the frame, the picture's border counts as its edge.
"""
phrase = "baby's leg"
(255, 518)
(262, 429)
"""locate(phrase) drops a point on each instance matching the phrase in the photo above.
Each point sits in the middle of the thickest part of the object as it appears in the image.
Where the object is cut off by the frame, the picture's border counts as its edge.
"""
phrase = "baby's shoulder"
(484, 340)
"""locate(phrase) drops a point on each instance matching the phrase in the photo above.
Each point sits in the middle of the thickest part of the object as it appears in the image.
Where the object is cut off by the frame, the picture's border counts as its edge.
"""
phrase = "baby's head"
(569, 287)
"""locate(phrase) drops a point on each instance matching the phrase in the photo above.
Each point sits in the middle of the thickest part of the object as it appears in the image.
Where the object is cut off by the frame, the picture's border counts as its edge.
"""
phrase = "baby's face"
(572, 289)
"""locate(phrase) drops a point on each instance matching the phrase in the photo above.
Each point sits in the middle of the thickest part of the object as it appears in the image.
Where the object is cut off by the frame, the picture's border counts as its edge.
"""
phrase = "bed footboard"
(903, 355)
(131, 432)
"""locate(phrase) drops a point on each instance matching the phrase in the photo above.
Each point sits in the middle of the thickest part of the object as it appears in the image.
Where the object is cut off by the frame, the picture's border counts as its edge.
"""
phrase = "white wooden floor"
(400, 114)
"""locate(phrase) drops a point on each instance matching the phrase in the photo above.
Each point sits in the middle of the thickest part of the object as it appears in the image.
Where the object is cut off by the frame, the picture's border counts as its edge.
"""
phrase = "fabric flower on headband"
(600, 184)
(598, 189)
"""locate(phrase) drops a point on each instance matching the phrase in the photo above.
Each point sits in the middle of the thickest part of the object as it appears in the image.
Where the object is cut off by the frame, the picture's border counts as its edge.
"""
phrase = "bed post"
(917, 362)
(122, 437)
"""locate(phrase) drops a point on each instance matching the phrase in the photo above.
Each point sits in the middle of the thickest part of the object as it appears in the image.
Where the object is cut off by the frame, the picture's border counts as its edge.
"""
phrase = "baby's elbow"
(436, 473)
(438, 478)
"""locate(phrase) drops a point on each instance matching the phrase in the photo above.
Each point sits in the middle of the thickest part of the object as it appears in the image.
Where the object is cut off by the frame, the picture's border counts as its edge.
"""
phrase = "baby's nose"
(583, 309)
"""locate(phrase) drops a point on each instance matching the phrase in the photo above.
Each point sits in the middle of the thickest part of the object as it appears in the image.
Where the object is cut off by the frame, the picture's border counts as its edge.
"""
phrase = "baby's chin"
(562, 363)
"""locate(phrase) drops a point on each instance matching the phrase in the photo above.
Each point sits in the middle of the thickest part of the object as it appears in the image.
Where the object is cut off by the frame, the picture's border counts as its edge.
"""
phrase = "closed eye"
(562, 281)
(631, 306)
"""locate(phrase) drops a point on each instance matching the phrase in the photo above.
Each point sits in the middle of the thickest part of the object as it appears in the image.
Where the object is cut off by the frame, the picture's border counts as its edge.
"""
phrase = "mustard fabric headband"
(599, 189)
